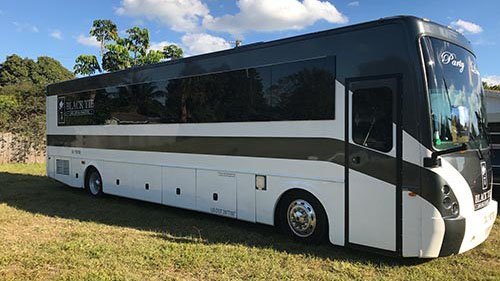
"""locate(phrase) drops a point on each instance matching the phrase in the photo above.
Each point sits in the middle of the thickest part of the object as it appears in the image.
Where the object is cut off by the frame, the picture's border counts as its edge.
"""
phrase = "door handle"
(356, 159)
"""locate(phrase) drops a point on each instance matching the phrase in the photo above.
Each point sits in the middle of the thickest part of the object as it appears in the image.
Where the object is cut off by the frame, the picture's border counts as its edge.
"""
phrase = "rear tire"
(93, 183)
(303, 218)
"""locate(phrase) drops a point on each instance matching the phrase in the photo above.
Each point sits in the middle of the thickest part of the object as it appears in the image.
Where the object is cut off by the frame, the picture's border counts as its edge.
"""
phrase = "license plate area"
(481, 200)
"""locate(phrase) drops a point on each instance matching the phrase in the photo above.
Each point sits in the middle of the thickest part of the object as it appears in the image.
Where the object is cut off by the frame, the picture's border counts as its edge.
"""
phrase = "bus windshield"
(455, 95)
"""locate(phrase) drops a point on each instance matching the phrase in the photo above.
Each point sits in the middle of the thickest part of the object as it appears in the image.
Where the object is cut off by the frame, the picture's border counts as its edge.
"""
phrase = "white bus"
(370, 136)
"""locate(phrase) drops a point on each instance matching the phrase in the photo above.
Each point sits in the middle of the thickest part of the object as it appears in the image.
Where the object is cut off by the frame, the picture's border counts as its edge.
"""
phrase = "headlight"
(446, 189)
(447, 202)
(454, 208)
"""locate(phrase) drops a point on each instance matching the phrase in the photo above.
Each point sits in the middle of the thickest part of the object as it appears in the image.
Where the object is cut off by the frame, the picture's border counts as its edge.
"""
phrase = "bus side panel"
(142, 182)
(50, 166)
(412, 223)
(372, 212)
(413, 152)
(115, 179)
(329, 194)
(245, 197)
(147, 183)
(179, 187)
(433, 228)
(216, 192)
(77, 172)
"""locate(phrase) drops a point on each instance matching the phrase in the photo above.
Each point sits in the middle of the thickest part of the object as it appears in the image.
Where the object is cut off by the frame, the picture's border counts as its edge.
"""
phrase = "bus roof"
(416, 26)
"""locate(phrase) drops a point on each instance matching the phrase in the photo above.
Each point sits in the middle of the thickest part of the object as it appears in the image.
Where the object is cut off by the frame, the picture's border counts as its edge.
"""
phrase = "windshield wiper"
(483, 126)
(481, 157)
(433, 160)
(369, 131)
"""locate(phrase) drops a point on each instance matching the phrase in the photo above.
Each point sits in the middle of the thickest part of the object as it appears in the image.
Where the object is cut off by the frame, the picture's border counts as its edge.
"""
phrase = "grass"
(49, 231)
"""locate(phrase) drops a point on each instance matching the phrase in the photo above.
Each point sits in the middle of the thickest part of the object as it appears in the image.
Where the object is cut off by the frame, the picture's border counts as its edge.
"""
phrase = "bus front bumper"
(478, 226)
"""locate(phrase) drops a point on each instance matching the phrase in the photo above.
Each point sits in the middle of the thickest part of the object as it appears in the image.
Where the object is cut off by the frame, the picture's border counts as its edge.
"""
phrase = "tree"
(86, 65)
(103, 31)
(137, 43)
(116, 58)
(22, 100)
(173, 52)
(486, 86)
(120, 53)
(15, 70)
(50, 70)
(153, 56)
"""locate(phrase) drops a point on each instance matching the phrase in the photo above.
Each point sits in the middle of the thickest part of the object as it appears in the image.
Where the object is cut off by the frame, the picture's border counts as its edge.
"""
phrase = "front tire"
(303, 218)
(93, 183)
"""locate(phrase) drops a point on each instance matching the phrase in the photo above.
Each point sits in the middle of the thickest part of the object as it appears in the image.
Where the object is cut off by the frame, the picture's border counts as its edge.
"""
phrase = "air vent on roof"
(62, 167)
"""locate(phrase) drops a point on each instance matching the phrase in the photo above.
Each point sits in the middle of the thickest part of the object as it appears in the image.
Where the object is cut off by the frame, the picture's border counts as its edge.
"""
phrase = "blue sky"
(60, 28)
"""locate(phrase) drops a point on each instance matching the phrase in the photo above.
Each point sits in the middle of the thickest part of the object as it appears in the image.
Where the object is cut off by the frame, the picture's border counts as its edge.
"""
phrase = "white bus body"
(381, 198)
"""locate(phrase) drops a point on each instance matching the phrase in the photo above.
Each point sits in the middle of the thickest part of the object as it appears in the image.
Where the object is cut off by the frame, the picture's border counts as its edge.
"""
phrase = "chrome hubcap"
(94, 183)
(301, 218)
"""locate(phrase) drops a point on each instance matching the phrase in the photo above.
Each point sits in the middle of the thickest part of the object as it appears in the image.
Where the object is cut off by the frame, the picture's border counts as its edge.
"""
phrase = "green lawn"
(50, 231)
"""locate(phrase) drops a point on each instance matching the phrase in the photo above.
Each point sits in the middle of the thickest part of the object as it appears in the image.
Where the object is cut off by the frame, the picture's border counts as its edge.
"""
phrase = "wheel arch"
(279, 201)
(90, 167)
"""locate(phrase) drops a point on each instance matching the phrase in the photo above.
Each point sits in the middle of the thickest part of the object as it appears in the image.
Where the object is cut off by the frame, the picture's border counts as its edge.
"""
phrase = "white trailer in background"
(493, 109)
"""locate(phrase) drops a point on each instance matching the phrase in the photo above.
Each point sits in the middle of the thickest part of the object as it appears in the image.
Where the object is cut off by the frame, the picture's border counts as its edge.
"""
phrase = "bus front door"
(373, 145)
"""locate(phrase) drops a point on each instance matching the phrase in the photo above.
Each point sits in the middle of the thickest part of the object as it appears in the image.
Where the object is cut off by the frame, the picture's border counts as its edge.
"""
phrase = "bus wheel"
(303, 218)
(93, 183)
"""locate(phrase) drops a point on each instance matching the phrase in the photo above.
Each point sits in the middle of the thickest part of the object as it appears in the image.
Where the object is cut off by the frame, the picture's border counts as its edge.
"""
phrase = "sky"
(59, 28)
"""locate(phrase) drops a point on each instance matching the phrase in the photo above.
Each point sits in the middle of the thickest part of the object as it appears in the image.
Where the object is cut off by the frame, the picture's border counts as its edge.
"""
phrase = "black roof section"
(413, 23)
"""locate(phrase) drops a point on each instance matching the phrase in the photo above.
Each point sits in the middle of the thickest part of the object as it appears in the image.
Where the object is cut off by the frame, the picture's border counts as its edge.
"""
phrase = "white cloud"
(195, 44)
(463, 26)
(57, 34)
(180, 15)
(88, 41)
(483, 42)
(353, 4)
(158, 46)
(492, 80)
(200, 43)
(21, 27)
(266, 15)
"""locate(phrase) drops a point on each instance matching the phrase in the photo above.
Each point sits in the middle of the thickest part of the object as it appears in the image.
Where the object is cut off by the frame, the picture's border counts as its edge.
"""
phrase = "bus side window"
(372, 118)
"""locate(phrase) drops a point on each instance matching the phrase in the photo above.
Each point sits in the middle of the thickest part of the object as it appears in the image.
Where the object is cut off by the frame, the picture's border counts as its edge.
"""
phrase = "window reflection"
(454, 82)
(292, 91)
(372, 117)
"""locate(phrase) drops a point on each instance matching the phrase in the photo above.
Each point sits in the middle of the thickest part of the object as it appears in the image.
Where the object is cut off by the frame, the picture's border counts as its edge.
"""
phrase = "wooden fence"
(13, 151)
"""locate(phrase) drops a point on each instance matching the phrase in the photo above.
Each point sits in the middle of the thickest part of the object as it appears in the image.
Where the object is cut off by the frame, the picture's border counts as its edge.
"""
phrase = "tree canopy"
(103, 31)
(120, 53)
(491, 87)
(86, 65)
(22, 98)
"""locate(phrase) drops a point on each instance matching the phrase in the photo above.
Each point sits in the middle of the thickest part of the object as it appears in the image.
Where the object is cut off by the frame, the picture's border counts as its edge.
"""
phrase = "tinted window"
(495, 157)
(372, 118)
(221, 97)
(302, 91)
(292, 91)
(76, 109)
(495, 139)
(494, 127)
(496, 176)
